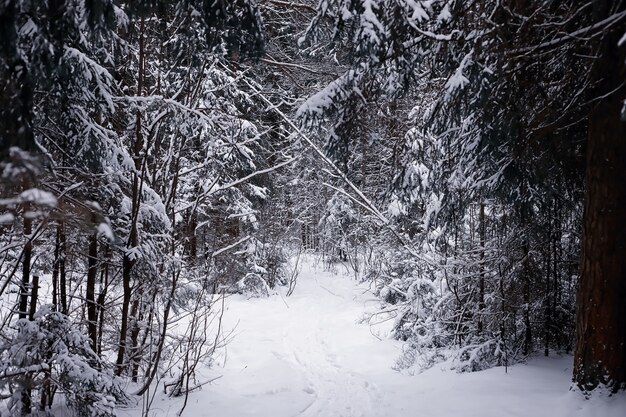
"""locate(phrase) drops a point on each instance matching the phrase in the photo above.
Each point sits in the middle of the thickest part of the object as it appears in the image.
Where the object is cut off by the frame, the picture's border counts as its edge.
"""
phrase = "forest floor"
(310, 354)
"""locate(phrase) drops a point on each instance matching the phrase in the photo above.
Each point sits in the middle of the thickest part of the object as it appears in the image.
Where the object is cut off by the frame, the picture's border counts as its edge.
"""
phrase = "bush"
(49, 354)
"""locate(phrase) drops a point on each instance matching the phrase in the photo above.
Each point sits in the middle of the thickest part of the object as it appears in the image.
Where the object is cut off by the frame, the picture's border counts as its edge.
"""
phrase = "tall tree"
(600, 324)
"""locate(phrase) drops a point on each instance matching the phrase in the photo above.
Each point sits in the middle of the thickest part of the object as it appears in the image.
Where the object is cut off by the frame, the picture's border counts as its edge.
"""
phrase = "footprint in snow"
(276, 391)
(278, 355)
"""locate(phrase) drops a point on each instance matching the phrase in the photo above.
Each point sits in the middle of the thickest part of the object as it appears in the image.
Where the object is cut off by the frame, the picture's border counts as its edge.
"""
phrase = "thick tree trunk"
(601, 317)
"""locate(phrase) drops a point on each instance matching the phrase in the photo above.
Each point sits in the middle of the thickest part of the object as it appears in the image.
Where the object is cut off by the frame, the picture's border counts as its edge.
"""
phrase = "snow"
(104, 229)
(395, 209)
(317, 105)
(458, 80)
(370, 25)
(444, 15)
(32, 195)
(309, 355)
(7, 218)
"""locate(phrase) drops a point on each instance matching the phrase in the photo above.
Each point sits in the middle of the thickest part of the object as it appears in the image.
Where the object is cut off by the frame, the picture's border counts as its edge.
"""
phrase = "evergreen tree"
(512, 113)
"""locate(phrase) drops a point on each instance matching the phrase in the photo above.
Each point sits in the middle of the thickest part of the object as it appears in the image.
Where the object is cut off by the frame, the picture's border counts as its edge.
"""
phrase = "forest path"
(305, 355)
(310, 355)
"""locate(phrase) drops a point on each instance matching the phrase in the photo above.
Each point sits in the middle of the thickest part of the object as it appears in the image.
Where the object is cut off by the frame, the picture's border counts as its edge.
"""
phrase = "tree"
(516, 105)
(600, 325)
(108, 134)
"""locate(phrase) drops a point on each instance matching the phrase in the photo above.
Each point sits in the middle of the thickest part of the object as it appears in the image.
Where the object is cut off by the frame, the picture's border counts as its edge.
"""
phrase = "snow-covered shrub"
(477, 357)
(413, 289)
(50, 354)
(270, 260)
(253, 285)
(475, 307)
(437, 319)
(255, 270)
(338, 227)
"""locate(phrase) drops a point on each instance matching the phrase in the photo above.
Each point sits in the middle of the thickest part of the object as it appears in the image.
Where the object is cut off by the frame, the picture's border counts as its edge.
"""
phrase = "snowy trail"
(308, 355)
(306, 346)
(310, 341)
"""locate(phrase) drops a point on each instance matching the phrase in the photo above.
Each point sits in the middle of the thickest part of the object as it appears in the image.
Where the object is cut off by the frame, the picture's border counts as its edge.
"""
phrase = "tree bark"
(26, 399)
(600, 356)
(34, 295)
(16, 85)
(55, 273)
(481, 282)
(28, 249)
(62, 274)
(527, 347)
(104, 285)
(127, 265)
(137, 317)
(90, 292)
(547, 323)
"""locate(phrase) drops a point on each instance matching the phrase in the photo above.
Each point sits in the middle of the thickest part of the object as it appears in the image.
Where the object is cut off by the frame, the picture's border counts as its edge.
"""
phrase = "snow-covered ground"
(309, 355)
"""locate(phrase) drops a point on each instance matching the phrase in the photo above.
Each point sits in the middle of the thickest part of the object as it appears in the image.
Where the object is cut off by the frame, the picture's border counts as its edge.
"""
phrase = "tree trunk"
(127, 265)
(133, 240)
(137, 317)
(34, 295)
(62, 274)
(526, 283)
(16, 100)
(481, 283)
(23, 305)
(55, 273)
(601, 306)
(547, 323)
(104, 285)
(191, 233)
(28, 250)
(90, 293)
